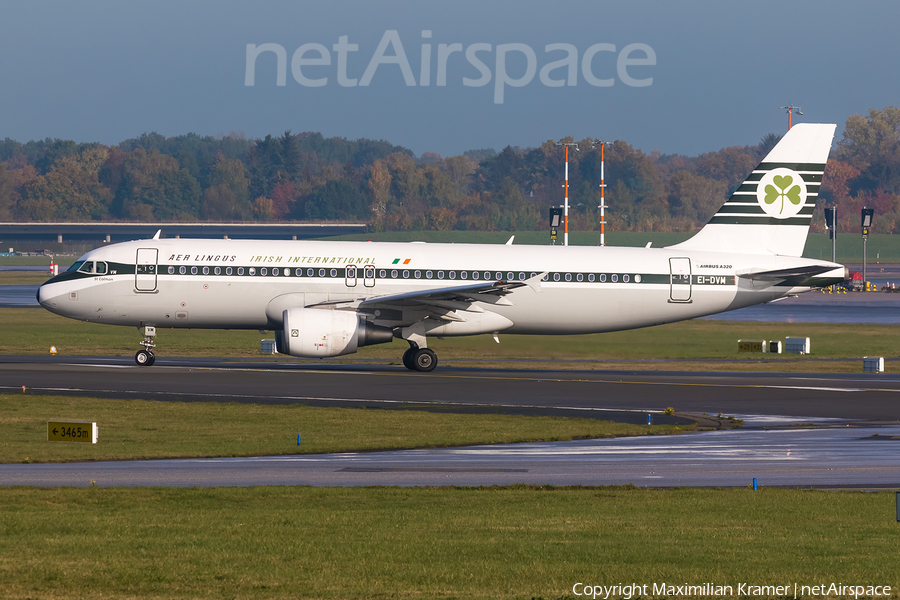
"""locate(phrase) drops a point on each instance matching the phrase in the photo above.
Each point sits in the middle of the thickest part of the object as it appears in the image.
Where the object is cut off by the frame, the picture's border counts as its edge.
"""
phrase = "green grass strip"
(411, 543)
(34, 330)
(138, 429)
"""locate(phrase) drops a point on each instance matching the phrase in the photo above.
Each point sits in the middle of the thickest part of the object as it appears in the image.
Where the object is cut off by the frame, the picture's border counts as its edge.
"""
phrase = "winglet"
(510, 241)
(156, 236)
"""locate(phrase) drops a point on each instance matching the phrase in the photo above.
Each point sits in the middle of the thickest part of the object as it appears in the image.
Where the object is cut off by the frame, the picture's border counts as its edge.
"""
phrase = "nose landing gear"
(146, 357)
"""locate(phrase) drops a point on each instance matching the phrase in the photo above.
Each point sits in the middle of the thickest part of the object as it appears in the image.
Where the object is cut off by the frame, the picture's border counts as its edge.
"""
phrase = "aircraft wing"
(445, 298)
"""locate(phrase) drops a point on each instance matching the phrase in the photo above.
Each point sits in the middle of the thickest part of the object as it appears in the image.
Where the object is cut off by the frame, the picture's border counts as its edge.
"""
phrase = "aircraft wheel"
(144, 358)
(152, 360)
(424, 360)
(407, 359)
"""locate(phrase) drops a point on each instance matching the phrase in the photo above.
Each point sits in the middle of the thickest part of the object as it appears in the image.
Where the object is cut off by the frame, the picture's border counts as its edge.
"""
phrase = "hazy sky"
(681, 77)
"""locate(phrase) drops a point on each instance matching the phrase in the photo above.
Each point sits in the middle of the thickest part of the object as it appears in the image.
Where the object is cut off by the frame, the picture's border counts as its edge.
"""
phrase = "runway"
(818, 430)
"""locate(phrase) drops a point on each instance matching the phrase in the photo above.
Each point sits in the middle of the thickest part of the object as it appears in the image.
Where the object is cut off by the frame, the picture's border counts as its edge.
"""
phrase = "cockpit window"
(94, 268)
(75, 267)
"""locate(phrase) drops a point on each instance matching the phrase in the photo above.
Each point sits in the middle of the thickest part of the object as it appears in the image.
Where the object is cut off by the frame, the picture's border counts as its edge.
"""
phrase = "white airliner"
(327, 298)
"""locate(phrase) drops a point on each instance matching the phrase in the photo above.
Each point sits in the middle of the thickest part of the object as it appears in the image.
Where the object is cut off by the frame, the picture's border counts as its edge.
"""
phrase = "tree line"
(307, 177)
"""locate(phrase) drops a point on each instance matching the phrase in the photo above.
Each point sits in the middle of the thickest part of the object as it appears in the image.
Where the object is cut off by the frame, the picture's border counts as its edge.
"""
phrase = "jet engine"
(320, 333)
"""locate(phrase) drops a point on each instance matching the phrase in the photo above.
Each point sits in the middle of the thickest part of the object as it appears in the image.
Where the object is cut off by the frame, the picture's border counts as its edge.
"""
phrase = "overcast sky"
(680, 77)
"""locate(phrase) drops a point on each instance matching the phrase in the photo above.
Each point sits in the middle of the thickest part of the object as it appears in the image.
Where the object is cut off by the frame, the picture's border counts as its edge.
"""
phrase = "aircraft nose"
(46, 296)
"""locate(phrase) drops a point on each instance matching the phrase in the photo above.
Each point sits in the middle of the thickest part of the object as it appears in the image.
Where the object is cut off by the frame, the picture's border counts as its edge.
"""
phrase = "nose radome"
(46, 297)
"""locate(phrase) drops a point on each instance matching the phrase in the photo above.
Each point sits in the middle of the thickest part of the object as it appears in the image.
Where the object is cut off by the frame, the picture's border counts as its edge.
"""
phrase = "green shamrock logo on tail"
(781, 190)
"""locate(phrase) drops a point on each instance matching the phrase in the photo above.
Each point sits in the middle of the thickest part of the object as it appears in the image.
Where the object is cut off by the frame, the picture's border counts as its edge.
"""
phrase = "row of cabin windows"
(369, 273)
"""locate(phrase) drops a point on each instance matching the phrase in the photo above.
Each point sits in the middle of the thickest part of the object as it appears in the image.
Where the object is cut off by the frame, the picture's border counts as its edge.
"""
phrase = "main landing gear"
(145, 357)
(419, 359)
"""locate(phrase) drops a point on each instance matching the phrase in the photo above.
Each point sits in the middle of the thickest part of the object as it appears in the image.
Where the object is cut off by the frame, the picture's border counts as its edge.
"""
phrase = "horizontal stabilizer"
(793, 277)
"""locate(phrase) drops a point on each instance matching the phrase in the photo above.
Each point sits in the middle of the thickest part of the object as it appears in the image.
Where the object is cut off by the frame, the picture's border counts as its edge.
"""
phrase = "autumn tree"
(154, 184)
(872, 145)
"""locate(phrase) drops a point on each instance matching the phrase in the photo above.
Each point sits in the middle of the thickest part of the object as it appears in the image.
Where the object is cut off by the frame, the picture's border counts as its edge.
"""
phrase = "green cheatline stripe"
(819, 167)
(757, 209)
(457, 279)
(729, 220)
(807, 177)
(811, 194)
(747, 187)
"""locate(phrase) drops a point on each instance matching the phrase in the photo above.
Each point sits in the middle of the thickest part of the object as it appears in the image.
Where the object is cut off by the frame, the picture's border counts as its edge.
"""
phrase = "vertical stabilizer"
(771, 211)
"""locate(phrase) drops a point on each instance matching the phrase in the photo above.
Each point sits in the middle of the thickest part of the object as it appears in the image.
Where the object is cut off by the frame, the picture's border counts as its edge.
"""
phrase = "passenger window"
(580, 277)
(206, 270)
(464, 275)
(321, 272)
(626, 278)
(275, 271)
(556, 277)
(614, 278)
(428, 274)
(264, 271)
(452, 274)
(182, 270)
(591, 277)
(218, 270)
(440, 274)
(228, 270)
(405, 274)
(311, 272)
(334, 272)
(171, 270)
(193, 270)
(240, 270)
(394, 273)
(602, 277)
(568, 277)
(418, 274)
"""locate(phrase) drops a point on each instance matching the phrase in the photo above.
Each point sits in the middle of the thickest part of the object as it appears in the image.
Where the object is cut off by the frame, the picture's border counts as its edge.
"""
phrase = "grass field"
(707, 344)
(139, 429)
(513, 542)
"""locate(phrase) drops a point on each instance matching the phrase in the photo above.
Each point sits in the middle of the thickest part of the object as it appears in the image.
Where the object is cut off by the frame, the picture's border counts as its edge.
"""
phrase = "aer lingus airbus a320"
(327, 298)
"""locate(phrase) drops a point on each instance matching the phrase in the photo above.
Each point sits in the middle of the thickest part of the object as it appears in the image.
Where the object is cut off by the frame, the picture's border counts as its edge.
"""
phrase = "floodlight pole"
(602, 195)
(566, 205)
(566, 209)
(867, 214)
(791, 109)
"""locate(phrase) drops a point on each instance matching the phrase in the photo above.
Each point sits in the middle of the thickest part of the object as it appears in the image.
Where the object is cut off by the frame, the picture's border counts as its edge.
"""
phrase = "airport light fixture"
(790, 110)
(867, 214)
(831, 224)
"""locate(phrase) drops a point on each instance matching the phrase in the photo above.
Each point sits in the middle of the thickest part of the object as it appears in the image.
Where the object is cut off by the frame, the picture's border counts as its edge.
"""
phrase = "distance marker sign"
(72, 431)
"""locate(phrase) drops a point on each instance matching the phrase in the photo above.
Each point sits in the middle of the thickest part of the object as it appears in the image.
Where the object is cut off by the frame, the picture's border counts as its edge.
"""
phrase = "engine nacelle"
(315, 333)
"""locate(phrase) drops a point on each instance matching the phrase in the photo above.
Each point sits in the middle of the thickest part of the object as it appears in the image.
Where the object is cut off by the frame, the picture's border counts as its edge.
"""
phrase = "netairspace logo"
(309, 62)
